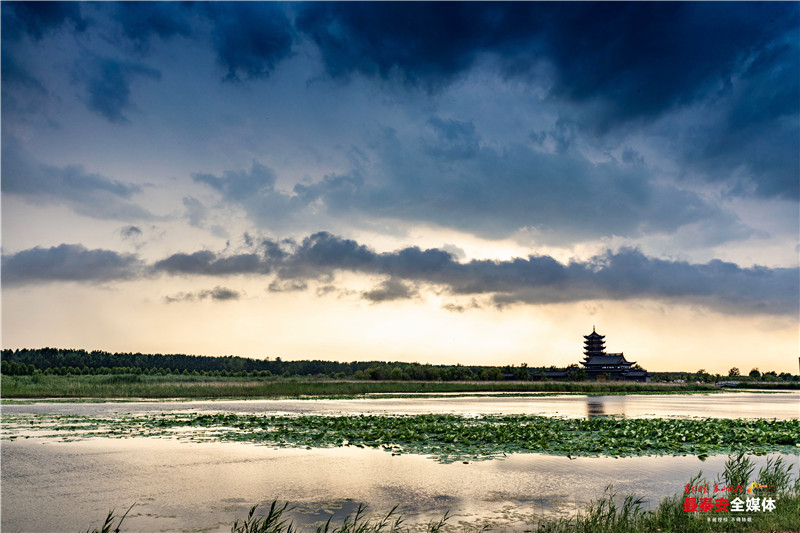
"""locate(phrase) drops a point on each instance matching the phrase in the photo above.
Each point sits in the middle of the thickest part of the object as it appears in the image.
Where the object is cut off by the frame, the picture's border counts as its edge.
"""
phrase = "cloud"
(218, 293)
(36, 19)
(141, 21)
(424, 43)
(68, 262)
(250, 38)
(500, 190)
(749, 138)
(107, 83)
(209, 263)
(491, 191)
(631, 65)
(195, 212)
(635, 59)
(86, 193)
(255, 191)
(389, 290)
(131, 232)
(455, 139)
(290, 285)
(623, 275)
(626, 274)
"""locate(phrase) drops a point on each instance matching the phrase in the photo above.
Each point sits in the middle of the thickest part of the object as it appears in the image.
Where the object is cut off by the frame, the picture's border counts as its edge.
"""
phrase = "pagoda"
(602, 366)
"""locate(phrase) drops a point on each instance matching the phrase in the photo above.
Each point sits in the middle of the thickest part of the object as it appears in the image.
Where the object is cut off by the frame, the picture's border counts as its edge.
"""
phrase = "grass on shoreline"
(608, 514)
(197, 387)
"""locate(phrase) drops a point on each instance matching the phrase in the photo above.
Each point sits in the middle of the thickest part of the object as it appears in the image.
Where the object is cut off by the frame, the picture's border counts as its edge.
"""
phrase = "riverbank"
(205, 387)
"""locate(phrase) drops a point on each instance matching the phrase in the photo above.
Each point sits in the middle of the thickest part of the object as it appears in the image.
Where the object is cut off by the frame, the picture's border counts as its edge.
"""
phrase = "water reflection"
(180, 486)
(603, 406)
(594, 409)
(782, 406)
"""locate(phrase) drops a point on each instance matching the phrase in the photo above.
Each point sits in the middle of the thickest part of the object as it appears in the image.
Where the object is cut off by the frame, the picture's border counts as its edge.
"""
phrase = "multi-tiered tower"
(601, 366)
(594, 344)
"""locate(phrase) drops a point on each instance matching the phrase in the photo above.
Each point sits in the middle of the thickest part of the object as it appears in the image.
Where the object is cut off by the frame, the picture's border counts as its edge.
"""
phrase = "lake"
(50, 485)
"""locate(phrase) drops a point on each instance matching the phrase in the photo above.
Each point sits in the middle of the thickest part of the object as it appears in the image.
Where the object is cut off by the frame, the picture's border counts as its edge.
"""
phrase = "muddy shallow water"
(48, 485)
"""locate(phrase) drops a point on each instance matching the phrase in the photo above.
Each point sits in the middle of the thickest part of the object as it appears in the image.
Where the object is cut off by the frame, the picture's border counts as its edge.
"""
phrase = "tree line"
(81, 362)
(59, 361)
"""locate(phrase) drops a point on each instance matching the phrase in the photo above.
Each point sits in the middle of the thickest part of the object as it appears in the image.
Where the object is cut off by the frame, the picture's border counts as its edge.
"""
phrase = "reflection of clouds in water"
(157, 473)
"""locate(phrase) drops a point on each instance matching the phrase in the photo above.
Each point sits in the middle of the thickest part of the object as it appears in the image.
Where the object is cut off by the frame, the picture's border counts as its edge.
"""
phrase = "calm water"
(49, 485)
(783, 406)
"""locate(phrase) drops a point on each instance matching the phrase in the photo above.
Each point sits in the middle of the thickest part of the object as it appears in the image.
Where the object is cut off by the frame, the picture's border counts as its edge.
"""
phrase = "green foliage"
(446, 438)
(156, 385)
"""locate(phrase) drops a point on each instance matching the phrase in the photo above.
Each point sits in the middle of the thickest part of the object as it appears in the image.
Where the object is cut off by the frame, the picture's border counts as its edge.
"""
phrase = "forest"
(58, 361)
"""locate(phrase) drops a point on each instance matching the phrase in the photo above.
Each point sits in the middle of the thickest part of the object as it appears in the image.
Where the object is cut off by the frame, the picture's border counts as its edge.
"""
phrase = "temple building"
(602, 366)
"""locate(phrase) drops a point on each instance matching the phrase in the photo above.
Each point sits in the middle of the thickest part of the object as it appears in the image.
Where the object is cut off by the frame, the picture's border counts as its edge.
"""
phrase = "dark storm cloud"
(141, 21)
(757, 132)
(89, 194)
(107, 83)
(68, 262)
(617, 64)
(250, 38)
(639, 58)
(22, 90)
(427, 43)
(35, 19)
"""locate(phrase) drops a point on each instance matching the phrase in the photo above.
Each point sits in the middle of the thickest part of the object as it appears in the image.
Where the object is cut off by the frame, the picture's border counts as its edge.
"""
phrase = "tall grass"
(138, 386)
(608, 515)
(357, 522)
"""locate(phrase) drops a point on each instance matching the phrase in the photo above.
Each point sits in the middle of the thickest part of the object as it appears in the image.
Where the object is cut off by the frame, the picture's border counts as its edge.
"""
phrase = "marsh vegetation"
(189, 386)
(446, 438)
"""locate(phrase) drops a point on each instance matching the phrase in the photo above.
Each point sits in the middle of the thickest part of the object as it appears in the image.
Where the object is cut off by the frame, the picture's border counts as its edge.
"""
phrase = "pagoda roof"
(594, 335)
(615, 359)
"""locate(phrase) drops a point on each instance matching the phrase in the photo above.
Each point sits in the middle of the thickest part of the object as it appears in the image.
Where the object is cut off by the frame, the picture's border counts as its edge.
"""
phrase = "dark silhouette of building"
(602, 366)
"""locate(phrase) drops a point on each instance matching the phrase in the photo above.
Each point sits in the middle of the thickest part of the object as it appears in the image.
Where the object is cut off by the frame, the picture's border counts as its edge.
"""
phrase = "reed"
(180, 386)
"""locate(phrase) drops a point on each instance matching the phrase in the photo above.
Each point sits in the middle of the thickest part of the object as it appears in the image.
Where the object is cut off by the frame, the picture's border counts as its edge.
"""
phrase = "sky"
(474, 183)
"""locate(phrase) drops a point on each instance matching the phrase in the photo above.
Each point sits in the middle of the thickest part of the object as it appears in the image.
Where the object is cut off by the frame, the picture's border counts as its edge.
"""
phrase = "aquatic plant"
(446, 438)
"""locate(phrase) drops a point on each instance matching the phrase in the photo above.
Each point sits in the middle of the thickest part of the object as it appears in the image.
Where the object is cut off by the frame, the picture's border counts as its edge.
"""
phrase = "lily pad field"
(457, 462)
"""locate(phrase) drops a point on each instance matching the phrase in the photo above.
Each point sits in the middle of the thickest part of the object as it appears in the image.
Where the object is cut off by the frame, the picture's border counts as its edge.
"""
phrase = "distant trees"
(704, 376)
(68, 362)
(576, 373)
